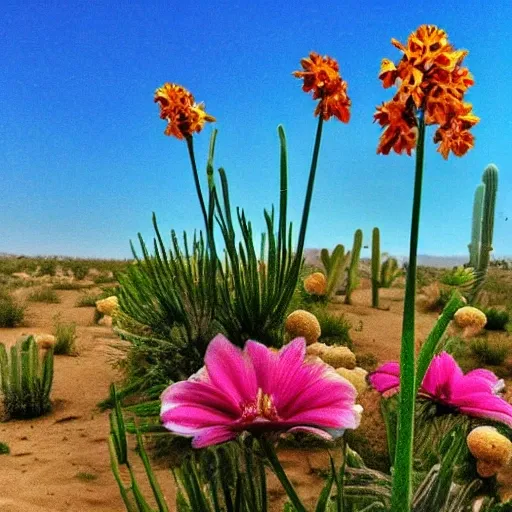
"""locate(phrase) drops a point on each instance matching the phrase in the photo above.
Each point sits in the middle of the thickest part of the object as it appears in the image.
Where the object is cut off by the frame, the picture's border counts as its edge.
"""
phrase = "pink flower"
(258, 390)
(473, 394)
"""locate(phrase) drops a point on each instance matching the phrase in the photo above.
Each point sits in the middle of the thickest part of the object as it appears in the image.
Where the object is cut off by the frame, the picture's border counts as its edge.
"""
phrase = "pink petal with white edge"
(212, 436)
(312, 430)
(230, 370)
(485, 405)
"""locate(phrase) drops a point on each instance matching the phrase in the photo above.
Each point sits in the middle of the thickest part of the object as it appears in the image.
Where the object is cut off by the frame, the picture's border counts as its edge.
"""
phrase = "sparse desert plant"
(4, 449)
(47, 267)
(80, 270)
(26, 379)
(335, 328)
(456, 346)
(67, 285)
(103, 278)
(487, 353)
(45, 294)
(11, 312)
(65, 337)
(459, 276)
(497, 319)
(434, 297)
(88, 300)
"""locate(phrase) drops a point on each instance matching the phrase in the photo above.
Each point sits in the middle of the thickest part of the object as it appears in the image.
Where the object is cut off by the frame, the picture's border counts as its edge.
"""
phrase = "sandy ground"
(60, 462)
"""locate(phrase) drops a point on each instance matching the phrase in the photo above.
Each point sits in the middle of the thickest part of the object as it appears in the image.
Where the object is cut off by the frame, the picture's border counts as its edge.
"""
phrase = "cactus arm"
(352, 275)
(476, 228)
(375, 267)
(326, 260)
(339, 262)
(4, 370)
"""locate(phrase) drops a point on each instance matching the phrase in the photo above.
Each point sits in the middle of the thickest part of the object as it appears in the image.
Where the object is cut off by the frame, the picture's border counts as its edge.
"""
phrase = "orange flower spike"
(321, 75)
(178, 108)
(388, 73)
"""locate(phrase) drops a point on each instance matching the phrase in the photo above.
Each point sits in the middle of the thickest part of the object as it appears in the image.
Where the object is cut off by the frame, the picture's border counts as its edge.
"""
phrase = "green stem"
(271, 455)
(309, 192)
(190, 145)
(402, 476)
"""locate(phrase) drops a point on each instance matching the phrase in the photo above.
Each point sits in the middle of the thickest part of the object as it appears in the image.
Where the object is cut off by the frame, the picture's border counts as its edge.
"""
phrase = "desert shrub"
(459, 276)
(80, 270)
(47, 267)
(67, 285)
(11, 313)
(65, 337)
(4, 449)
(8, 266)
(104, 278)
(47, 295)
(335, 328)
(488, 354)
(456, 346)
(497, 319)
(88, 300)
(367, 361)
(434, 297)
(27, 379)
(427, 275)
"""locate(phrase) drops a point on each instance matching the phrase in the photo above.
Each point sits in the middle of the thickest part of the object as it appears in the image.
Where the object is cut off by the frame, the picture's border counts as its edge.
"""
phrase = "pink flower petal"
(485, 405)
(386, 377)
(230, 370)
(312, 430)
(442, 376)
(212, 436)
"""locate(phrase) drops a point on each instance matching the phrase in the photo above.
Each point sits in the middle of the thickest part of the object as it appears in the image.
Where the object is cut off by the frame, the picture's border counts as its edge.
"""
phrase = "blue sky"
(83, 158)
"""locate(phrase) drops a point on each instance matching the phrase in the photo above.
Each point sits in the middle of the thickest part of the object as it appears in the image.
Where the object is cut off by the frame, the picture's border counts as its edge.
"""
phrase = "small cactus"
(335, 265)
(389, 272)
(490, 184)
(353, 269)
(375, 267)
(476, 228)
(26, 379)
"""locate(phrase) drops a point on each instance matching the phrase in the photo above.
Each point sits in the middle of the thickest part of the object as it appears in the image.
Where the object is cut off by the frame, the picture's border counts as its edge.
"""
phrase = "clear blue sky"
(83, 158)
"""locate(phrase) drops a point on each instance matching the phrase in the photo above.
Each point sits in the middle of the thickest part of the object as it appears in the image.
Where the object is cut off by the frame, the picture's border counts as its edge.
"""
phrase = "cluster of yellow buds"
(491, 449)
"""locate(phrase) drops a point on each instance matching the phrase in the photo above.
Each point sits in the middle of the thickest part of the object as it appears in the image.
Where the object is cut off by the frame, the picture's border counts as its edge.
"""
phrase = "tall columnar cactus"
(490, 184)
(335, 265)
(375, 267)
(476, 228)
(26, 379)
(353, 270)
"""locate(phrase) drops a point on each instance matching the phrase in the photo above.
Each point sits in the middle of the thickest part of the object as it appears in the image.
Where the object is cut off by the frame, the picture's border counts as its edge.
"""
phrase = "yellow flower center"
(261, 408)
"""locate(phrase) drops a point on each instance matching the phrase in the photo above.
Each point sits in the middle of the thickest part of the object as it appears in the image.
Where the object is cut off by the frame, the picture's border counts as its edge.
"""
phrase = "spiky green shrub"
(46, 294)
(26, 379)
(80, 270)
(459, 276)
(4, 449)
(11, 312)
(487, 353)
(65, 337)
(335, 327)
(47, 267)
(497, 319)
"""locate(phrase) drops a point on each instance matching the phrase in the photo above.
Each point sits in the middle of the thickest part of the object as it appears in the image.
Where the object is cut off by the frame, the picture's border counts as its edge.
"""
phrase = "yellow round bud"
(339, 357)
(316, 284)
(488, 445)
(317, 349)
(357, 377)
(108, 306)
(468, 316)
(303, 324)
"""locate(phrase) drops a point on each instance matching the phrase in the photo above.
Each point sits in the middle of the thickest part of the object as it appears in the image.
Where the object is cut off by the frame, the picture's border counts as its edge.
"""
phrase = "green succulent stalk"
(353, 270)
(375, 267)
(389, 272)
(335, 266)
(26, 379)
(476, 228)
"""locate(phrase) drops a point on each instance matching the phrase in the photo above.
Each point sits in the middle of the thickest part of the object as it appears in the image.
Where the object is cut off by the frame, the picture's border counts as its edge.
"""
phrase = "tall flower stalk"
(430, 85)
(253, 295)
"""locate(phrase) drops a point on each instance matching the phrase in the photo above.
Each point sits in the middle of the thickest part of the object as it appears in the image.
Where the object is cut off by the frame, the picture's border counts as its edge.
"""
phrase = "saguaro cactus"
(375, 267)
(25, 379)
(476, 227)
(490, 189)
(353, 270)
(389, 272)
